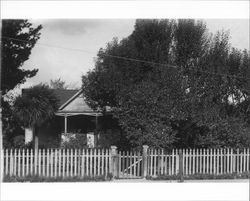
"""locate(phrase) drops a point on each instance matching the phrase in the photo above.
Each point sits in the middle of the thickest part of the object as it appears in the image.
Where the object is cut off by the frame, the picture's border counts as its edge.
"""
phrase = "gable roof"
(64, 95)
(76, 104)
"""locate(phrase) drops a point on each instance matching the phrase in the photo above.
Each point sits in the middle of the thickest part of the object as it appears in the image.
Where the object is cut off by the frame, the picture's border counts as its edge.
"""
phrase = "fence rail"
(150, 162)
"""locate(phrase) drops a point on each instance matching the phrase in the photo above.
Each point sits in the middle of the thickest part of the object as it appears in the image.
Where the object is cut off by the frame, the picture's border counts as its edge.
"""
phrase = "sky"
(57, 54)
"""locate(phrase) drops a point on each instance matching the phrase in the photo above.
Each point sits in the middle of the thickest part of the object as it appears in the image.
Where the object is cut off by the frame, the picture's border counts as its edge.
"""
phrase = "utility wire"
(81, 50)
(127, 58)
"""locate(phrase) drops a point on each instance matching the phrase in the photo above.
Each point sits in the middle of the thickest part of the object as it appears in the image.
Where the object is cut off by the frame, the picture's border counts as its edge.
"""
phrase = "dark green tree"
(17, 40)
(169, 80)
(36, 106)
(18, 37)
(150, 42)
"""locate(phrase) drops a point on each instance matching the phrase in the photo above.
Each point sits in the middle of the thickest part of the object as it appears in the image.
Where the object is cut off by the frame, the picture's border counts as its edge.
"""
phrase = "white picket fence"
(57, 162)
(198, 161)
(161, 163)
(129, 164)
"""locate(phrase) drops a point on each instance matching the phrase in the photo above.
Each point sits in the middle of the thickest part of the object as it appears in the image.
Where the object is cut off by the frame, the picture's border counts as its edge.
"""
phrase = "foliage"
(229, 132)
(146, 112)
(111, 74)
(19, 141)
(36, 106)
(50, 143)
(111, 137)
(18, 37)
(58, 84)
(79, 141)
(11, 127)
(179, 86)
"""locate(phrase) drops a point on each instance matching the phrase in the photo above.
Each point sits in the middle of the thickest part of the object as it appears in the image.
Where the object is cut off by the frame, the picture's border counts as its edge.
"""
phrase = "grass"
(36, 178)
(244, 175)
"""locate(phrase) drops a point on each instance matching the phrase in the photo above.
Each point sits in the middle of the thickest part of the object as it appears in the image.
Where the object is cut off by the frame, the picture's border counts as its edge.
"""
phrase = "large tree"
(150, 42)
(17, 40)
(18, 37)
(166, 82)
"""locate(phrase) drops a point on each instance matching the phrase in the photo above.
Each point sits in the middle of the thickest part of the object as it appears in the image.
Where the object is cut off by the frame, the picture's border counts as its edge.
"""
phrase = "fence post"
(35, 161)
(145, 161)
(114, 169)
(181, 165)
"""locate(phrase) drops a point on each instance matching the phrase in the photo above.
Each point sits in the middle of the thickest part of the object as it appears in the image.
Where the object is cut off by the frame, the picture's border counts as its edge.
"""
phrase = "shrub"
(78, 141)
(19, 142)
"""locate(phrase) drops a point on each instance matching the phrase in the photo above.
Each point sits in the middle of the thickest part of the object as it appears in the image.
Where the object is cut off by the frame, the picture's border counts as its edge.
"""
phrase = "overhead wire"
(128, 59)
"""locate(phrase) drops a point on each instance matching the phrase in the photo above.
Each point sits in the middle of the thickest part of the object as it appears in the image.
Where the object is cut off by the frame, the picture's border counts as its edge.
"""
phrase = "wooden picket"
(56, 162)
(199, 161)
(128, 164)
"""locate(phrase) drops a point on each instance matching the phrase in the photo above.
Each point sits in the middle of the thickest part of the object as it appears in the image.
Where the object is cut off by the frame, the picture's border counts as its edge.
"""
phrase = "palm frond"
(36, 106)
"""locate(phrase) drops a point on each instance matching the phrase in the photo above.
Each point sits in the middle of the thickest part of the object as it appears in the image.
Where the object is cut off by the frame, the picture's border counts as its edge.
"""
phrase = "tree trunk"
(1, 142)
(35, 138)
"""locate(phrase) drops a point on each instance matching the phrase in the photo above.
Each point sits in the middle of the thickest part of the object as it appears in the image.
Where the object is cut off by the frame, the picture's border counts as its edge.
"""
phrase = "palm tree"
(34, 107)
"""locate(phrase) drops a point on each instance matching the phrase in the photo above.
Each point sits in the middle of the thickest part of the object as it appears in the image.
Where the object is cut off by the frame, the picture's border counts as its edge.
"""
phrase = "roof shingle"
(64, 95)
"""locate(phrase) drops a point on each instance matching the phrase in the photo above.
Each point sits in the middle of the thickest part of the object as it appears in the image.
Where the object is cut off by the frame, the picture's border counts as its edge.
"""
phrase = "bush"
(78, 141)
(19, 143)
(36, 178)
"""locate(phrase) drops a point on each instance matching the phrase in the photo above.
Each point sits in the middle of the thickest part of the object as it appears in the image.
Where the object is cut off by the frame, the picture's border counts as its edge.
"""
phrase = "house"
(75, 117)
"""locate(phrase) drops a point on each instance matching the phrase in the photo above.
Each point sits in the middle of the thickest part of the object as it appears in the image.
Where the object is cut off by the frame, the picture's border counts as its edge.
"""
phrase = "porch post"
(65, 124)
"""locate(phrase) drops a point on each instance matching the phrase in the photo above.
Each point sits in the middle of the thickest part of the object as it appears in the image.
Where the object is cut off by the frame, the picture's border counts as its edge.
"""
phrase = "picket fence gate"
(120, 164)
